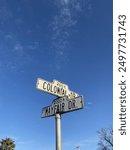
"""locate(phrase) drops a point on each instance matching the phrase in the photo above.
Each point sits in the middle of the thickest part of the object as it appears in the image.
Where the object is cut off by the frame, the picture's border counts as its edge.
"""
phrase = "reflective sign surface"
(63, 105)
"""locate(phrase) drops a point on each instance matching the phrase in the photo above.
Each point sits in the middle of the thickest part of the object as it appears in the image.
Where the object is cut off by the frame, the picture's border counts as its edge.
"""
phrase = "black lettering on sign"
(49, 109)
(55, 108)
(44, 85)
(58, 108)
(51, 88)
(58, 90)
(46, 111)
(63, 107)
(48, 87)
(73, 103)
(69, 104)
(62, 91)
(54, 89)
(52, 110)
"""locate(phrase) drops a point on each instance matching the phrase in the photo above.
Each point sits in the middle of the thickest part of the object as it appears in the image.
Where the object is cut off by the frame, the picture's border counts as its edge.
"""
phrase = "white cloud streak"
(12, 53)
(5, 14)
(67, 17)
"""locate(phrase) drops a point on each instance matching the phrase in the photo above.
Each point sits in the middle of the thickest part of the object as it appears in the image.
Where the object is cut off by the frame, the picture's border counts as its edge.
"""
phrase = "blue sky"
(67, 40)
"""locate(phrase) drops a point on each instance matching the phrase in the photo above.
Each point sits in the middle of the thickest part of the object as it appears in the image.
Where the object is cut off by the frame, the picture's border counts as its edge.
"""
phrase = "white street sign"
(56, 88)
(63, 105)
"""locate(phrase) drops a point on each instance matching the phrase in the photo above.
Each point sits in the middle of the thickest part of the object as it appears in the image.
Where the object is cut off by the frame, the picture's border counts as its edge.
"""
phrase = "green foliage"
(7, 144)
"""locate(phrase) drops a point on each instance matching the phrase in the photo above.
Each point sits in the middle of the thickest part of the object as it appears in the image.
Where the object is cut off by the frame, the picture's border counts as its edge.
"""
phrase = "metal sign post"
(58, 131)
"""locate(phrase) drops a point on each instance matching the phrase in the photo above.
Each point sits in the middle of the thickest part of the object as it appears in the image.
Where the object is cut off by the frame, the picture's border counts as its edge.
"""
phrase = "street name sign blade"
(56, 88)
(59, 100)
(51, 87)
(63, 106)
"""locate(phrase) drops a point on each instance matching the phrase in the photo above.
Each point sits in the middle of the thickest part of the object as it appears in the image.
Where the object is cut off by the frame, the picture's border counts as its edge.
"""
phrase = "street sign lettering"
(63, 105)
(56, 88)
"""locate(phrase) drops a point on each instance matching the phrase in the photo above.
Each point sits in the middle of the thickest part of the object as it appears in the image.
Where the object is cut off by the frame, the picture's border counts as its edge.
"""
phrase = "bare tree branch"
(106, 139)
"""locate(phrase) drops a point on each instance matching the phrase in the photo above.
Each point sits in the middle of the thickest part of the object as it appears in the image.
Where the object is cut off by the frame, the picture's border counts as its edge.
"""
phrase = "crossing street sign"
(63, 105)
(59, 100)
(67, 101)
(56, 88)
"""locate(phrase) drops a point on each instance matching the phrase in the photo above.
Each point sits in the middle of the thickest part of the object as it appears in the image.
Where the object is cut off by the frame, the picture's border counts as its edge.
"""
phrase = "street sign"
(67, 101)
(59, 100)
(56, 88)
(63, 105)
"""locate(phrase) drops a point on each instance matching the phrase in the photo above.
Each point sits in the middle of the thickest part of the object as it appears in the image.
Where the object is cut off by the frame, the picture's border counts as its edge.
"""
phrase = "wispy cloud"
(5, 14)
(13, 54)
(89, 103)
(63, 23)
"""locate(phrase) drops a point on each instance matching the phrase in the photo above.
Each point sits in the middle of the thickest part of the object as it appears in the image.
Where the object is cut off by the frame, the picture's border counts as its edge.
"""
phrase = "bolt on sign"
(63, 105)
(56, 88)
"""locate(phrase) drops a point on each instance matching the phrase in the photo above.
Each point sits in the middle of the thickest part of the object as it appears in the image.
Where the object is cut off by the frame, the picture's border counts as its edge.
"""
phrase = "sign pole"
(58, 131)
